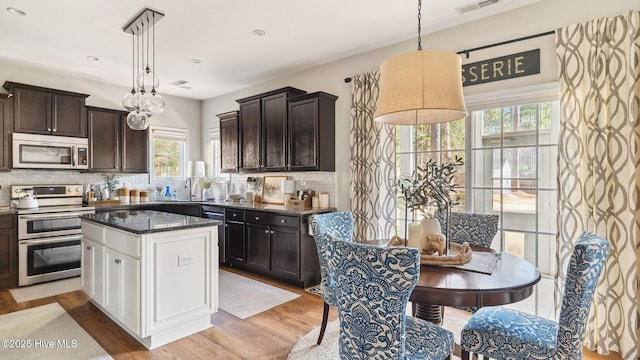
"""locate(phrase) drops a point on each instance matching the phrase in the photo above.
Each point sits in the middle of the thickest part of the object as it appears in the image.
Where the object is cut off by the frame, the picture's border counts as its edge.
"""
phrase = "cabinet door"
(123, 288)
(229, 141)
(303, 130)
(32, 109)
(135, 148)
(235, 242)
(86, 268)
(285, 251)
(8, 257)
(258, 247)
(250, 135)
(6, 126)
(113, 288)
(130, 287)
(69, 116)
(274, 130)
(104, 131)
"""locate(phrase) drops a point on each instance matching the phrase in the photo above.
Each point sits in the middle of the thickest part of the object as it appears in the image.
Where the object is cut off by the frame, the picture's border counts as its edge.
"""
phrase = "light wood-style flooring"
(269, 335)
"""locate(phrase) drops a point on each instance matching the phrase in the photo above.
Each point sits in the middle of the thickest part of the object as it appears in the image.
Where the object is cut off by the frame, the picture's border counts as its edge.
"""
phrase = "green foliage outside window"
(166, 157)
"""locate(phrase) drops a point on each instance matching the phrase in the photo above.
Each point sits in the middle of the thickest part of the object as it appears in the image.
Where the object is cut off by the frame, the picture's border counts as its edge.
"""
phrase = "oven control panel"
(46, 191)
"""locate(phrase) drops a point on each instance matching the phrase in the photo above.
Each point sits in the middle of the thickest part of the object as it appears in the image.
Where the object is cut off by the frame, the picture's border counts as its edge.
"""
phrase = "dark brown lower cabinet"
(8, 252)
(272, 244)
(258, 246)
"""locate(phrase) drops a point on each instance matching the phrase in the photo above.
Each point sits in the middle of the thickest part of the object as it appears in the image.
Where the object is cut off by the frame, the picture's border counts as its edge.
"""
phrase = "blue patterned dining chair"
(340, 225)
(373, 285)
(476, 229)
(503, 333)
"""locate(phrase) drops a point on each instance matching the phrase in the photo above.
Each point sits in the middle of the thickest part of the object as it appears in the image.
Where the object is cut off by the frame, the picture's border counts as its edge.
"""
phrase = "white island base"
(159, 286)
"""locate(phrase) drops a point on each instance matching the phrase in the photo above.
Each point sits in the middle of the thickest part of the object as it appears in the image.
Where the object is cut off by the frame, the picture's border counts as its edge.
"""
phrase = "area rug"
(46, 332)
(39, 291)
(306, 348)
(315, 290)
(243, 297)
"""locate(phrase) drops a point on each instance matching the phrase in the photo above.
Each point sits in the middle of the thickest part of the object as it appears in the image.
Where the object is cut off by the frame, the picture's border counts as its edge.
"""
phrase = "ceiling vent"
(476, 5)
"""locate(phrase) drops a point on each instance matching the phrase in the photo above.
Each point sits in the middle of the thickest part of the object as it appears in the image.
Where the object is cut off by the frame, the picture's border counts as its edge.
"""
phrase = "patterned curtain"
(372, 164)
(599, 168)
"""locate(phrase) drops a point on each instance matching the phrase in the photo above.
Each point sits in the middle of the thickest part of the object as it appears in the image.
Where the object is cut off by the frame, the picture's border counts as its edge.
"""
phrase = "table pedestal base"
(431, 313)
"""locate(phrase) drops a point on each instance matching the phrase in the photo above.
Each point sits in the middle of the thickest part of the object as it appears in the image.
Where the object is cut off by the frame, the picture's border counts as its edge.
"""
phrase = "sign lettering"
(501, 68)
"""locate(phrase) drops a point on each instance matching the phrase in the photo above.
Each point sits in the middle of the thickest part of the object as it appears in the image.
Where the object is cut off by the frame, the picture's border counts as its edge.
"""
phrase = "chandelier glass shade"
(420, 87)
(143, 101)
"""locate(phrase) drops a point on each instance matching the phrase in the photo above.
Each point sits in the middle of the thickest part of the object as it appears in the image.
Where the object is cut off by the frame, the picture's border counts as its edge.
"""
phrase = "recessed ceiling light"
(196, 61)
(178, 82)
(16, 11)
(94, 58)
(259, 32)
(186, 87)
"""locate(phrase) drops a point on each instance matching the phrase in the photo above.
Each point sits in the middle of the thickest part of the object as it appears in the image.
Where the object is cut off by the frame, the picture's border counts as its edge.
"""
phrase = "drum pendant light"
(421, 87)
(143, 101)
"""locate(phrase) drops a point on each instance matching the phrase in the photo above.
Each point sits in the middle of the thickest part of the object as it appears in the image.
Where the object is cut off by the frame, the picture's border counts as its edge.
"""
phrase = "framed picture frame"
(272, 190)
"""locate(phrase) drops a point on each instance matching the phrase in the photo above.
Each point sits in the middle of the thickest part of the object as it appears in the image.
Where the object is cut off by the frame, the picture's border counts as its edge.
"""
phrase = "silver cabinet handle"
(257, 217)
(282, 221)
(272, 232)
(266, 231)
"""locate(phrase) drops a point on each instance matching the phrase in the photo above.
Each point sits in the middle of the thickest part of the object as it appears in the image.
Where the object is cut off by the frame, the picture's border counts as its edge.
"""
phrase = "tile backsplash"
(317, 181)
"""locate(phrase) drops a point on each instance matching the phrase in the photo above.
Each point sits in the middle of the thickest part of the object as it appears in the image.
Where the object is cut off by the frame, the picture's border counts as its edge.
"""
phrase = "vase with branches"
(430, 189)
(111, 182)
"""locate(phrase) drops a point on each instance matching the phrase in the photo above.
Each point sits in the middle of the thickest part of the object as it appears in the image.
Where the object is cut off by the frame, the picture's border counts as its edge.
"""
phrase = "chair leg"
(464, 354)
(325, 317)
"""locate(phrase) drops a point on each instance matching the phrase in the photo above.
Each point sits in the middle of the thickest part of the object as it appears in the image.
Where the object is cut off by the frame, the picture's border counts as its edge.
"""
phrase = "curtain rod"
(467, 52)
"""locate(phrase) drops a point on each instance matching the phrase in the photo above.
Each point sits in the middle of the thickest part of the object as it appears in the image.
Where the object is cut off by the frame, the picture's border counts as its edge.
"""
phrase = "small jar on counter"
(144, 196)
(134, 196)
(124, 195)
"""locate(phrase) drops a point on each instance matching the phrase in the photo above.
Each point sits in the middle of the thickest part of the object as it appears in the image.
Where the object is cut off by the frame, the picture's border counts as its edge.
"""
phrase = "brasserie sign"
(501, 68)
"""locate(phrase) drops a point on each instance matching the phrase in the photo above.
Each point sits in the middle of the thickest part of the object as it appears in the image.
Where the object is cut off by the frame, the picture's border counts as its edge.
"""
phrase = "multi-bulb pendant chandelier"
(143, 101)
(420, 87)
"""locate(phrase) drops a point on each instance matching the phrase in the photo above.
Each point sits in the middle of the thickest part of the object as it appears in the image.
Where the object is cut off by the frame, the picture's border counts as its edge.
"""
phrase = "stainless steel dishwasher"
(217, 213)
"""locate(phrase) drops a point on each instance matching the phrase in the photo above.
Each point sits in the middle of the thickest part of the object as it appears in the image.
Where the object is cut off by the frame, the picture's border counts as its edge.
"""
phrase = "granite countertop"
(148, 221)
(228, 204)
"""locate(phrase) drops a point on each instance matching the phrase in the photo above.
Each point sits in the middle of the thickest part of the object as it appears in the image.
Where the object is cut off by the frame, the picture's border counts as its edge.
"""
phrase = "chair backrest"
(339, 225)
(476, 229)
(373, 285)
(586, 263)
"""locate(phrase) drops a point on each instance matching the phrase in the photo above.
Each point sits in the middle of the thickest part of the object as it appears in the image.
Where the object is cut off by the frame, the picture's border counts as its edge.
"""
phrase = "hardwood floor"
(269, 335)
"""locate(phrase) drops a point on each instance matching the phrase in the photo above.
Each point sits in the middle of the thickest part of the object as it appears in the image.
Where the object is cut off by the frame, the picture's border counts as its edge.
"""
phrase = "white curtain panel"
(599, 168)
(372, 164)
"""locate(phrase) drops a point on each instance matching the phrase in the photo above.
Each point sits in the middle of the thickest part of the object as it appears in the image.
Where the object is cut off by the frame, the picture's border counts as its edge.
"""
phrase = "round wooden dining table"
(512, 280)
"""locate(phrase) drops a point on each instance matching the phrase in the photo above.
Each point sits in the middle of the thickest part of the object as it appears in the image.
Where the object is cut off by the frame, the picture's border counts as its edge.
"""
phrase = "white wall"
(540, 17)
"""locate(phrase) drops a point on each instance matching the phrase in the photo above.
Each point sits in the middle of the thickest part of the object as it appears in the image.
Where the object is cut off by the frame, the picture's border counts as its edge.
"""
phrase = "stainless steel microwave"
(49, 152)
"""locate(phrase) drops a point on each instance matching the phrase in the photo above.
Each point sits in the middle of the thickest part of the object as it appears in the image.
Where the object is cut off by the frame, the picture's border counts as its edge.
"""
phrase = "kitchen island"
(154, 273)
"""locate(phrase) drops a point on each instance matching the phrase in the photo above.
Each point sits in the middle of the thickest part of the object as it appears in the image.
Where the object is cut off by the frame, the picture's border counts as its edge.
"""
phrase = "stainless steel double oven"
(49, 236)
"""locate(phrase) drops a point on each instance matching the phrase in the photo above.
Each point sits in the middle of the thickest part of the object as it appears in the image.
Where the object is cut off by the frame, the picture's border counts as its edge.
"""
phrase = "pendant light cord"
(419, 24)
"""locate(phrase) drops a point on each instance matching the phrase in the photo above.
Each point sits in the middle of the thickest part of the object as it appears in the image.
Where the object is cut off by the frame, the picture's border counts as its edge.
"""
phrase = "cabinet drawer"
(6, 221)
(93, 232)
(123, 242)
(234, 215)
(271, 219)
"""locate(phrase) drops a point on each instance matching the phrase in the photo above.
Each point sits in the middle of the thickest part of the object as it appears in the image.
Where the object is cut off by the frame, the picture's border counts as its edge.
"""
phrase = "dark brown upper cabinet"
(113, 146)
(6, 126)
(312, 132)
(263, 130)
(39, 110)
(229, 161)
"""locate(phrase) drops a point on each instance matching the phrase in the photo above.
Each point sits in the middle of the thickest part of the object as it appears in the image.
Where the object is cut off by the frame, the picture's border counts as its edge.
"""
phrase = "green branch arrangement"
(111, 181)
(422, 191)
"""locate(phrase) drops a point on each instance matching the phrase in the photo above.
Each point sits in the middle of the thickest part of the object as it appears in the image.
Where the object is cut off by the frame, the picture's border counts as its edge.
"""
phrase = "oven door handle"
(62, 215)
(50, 240)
